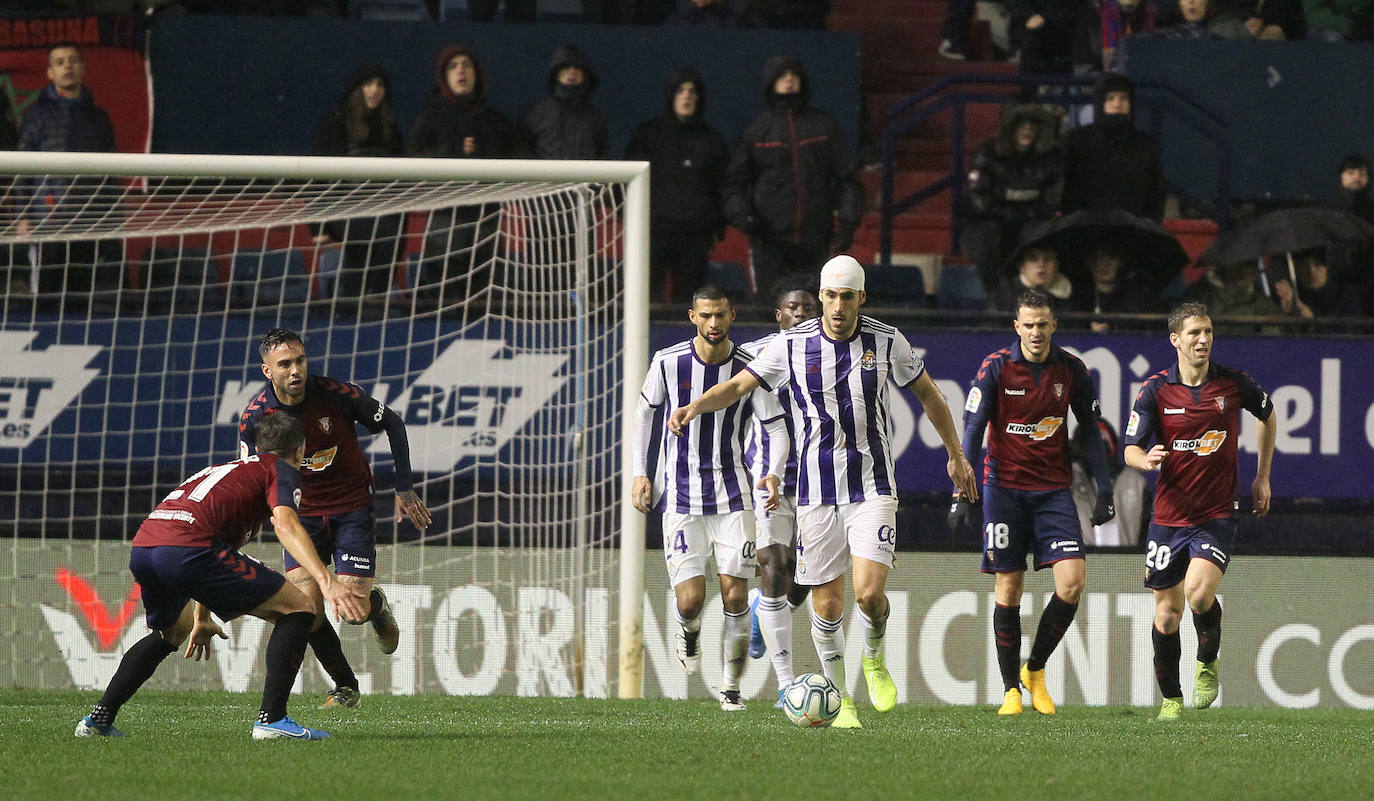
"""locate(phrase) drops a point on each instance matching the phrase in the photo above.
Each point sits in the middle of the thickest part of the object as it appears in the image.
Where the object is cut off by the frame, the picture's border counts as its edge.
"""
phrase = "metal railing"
(1156, 100)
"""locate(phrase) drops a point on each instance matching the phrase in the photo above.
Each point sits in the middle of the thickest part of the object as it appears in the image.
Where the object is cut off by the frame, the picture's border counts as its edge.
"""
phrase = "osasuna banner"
(467, 393)
(116, 68)
(476, 622)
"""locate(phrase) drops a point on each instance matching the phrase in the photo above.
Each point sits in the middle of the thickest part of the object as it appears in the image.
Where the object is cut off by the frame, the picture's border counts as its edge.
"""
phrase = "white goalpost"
(501, 307)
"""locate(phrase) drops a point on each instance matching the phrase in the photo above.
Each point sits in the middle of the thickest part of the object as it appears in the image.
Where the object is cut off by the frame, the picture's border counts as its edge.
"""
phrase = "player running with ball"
(840, 370)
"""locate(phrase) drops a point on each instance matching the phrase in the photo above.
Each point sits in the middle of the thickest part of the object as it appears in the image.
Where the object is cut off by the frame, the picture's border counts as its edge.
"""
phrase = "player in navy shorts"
(337, 507)
(187, 563)
(1189, 417)
(1022, 395)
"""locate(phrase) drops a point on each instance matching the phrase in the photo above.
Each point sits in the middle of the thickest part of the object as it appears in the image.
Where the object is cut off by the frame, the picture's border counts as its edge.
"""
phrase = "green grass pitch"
(188, 745)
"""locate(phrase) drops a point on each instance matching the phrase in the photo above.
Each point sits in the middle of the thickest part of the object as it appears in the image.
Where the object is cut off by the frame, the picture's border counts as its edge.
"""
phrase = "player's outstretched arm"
(937, 411)
(203, 634)
(1259, 489)
(350, 602)
(713, 400)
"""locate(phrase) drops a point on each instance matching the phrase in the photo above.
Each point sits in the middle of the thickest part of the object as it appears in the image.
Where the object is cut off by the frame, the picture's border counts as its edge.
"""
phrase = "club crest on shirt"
(1221, 403)
(325, 425)
(869, 361)
(1058, 390)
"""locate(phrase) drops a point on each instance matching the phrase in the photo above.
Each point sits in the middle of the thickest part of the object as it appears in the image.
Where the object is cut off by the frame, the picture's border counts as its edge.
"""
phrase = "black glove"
(844, 237)
(1103, 510)
(961, 513)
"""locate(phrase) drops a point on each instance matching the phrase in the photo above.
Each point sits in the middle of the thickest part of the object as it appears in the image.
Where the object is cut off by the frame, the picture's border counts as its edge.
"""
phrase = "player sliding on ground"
(1022, 396)
(1191, 412)
(187, 550)
(839, 369)
(337, 506)
(706, 490)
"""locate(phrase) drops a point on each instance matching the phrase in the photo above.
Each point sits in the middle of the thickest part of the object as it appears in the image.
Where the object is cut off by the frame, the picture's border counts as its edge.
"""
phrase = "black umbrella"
(1286, 231)
(1144, 245)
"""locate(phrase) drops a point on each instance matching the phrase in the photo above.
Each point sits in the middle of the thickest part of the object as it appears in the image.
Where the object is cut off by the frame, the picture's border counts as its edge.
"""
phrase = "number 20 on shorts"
(1157, 556)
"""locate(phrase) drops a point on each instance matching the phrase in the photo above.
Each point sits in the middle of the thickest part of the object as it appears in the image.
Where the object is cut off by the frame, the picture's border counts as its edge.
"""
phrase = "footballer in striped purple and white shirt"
(707, 494)
(838, 370)
(775, 530)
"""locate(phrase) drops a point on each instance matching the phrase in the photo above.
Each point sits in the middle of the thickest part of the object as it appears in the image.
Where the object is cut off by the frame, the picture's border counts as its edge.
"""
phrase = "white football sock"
(873, 633)
(775, 620)
(690, 626)
(828, 635)
(734, 644)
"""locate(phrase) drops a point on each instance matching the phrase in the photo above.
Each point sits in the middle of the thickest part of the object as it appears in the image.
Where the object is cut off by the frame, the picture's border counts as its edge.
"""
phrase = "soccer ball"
(811, 700)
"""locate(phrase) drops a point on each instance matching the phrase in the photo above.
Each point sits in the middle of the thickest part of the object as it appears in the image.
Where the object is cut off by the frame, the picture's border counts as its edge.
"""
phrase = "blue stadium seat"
(895, 286)
(269, 278)
(391, 10)
(453, 10)
(327, 266)
(961, 289)
(181, 280)
(729, 276)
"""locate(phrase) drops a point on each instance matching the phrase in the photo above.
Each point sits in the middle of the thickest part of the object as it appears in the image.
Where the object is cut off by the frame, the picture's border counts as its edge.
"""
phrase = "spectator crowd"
(790, 183)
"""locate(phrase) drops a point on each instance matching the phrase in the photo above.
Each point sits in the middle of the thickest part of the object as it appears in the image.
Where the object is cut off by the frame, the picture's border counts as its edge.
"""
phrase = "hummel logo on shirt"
(1013, 391)
(1167, 410)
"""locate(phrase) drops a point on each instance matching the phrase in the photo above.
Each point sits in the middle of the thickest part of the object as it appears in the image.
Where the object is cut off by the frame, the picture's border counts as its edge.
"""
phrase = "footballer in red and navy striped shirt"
(1189, 417)
(1022, 396)
(336, 482)
(188, 549)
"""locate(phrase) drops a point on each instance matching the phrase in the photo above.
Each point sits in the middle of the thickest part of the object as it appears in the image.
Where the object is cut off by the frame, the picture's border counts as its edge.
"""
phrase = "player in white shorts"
(772, 602)
(838, 369)
(702, 482)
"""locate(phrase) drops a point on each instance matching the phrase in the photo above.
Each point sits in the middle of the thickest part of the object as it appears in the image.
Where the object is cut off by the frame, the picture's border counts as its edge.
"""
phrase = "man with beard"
(708, 505)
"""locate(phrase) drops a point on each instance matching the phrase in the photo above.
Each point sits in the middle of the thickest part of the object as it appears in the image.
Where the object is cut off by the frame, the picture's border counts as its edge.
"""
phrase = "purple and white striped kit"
(838, 392)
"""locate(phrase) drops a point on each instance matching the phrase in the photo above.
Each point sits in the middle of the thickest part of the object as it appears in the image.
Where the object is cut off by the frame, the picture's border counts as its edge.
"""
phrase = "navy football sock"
(1168, 650)
(1208, 625)
(1054, 621)
(137, 666)
(324, 641)
(285, 651)
(374, 598)
(1006, 625)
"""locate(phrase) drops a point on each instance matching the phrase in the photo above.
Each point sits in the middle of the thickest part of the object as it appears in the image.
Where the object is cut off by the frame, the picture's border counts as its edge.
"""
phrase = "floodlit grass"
(185, 745)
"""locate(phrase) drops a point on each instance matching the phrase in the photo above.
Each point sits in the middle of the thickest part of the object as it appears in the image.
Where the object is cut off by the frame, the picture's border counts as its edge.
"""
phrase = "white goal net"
(498, 307)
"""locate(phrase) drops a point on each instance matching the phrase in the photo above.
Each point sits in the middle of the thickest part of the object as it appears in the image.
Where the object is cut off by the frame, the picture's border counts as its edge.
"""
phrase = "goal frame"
(634, 358)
